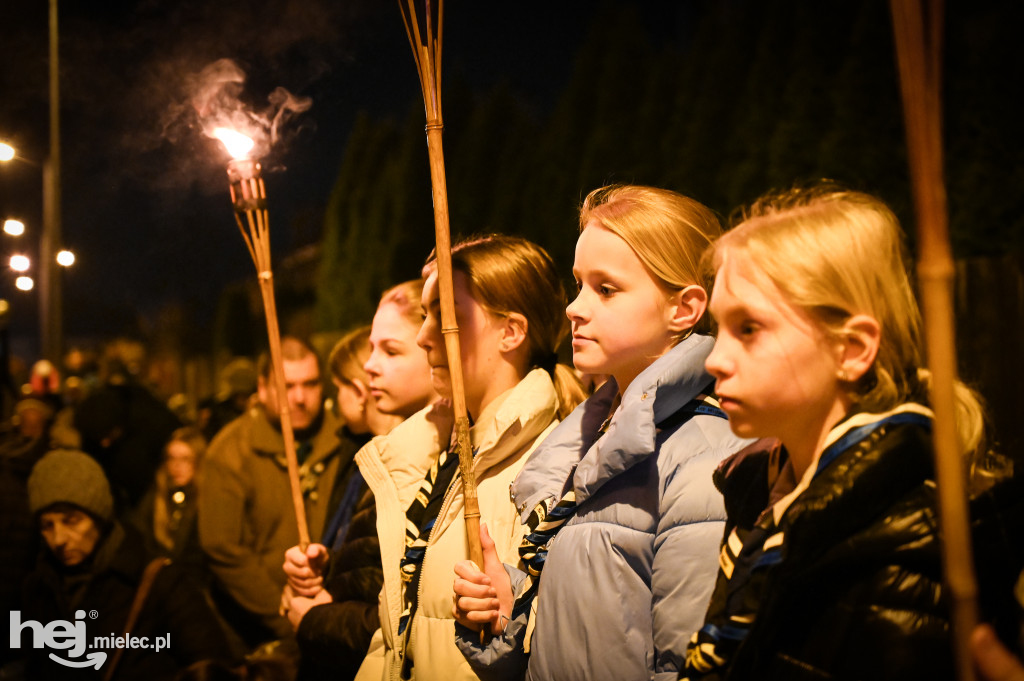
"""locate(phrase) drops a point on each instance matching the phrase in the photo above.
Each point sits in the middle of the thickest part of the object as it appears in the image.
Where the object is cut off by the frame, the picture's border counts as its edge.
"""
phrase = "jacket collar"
(668, 384)
(268, 441)
(845, 436)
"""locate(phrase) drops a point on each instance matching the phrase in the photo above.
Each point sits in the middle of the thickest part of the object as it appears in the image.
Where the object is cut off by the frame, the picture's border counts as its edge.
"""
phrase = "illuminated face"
(620, 317)
(776, 370)
(398, 369)
(480, 338)
(303, 388)
(180, 463)
(70, 533)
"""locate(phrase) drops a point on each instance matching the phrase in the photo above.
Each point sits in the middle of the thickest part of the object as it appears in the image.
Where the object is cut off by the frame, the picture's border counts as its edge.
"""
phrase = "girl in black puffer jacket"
(831, 567)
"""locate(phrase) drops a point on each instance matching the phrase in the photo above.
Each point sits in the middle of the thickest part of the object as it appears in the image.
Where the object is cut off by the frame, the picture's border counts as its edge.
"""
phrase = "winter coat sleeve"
(187, 617)
(685, 562)
(504, 657)
(237, 567)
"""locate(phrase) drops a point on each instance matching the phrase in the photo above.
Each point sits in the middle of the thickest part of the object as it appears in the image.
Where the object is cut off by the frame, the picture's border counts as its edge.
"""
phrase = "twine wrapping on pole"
(918, 36)
(249, 196)
(426, 52)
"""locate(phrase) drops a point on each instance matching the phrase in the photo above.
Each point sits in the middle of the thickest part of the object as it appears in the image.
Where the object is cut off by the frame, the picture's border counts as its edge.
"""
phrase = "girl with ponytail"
(819, 347)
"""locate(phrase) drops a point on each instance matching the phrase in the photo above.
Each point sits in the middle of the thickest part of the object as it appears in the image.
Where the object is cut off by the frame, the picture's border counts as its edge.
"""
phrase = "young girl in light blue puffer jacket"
(620, 509)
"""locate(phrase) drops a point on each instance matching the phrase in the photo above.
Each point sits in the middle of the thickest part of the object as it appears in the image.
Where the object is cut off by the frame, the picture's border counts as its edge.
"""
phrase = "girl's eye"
(748, 328)
(579, 286)
(605, 290)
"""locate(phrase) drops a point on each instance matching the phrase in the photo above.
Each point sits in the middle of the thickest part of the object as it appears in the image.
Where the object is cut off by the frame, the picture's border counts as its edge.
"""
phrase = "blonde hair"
(349, 355)
(509, 274)
(193, 437)
(407, 297)
(669, 232)
(837, 253)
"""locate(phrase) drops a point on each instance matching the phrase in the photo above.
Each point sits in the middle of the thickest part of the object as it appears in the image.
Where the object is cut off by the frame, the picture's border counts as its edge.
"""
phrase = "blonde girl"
(382, 378)
(819, 347)
(508, 305)
(169, 511)
(618, 503)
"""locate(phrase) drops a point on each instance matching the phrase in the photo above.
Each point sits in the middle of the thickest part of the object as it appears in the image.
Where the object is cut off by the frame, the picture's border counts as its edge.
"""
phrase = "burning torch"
(249, 197)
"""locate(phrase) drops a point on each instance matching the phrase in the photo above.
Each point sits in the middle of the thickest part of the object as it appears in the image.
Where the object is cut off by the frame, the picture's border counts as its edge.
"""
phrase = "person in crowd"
(362, 420)
(123, 425)
(508, 306)
(618, 505)
(91, 572)
(819, 347)
(20, 449)
(246, 514)
(167, 514)
(335, 616)
(237, 386)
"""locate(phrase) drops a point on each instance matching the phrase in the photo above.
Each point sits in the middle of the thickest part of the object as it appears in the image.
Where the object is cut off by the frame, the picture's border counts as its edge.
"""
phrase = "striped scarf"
(419, 522)
(548, 517)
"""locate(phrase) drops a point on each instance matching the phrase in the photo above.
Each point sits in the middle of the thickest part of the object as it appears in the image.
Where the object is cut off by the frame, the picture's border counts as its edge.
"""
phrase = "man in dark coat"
(88, 579)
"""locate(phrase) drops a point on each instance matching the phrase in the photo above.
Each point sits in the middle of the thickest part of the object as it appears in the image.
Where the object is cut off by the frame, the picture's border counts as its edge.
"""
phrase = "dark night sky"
(145, 201)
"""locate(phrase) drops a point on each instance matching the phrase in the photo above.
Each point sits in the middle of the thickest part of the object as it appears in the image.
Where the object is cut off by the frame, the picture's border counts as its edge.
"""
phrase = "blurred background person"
(91, 562)
(246, 515)
(167, 514)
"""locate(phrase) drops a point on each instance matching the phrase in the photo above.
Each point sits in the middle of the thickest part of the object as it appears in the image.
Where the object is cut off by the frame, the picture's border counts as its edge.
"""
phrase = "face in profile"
(397, 368)
(180, 463)
(480, 339)
(776, 370)
(70, 533)
(620, 317)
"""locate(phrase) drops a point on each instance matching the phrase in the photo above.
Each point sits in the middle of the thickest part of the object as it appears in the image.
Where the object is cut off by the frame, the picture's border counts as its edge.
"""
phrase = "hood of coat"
(657, 393)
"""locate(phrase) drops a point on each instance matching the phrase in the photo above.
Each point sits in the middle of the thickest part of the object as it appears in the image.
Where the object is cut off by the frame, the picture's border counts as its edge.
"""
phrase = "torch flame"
(237, 144)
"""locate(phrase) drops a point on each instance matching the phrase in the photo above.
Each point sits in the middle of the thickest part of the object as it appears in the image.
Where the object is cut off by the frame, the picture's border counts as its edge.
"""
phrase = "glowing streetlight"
(20, 263)
(65, 258)
(6, 152)
(14, 227)
(24, 283)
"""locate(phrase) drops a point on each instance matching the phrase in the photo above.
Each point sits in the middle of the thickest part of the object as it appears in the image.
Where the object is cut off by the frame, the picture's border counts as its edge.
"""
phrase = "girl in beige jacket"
(509, 306)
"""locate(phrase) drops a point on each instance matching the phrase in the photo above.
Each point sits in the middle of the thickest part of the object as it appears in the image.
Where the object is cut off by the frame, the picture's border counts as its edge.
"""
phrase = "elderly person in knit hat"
(91, 563)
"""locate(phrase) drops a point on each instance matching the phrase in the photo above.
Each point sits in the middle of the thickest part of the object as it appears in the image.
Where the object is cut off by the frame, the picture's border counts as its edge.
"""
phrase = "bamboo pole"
(918, 35)
(426, 52)
(249, 196)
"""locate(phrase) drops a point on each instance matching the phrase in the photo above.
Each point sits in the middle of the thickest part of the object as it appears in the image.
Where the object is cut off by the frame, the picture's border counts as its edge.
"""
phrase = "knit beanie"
(71, 477)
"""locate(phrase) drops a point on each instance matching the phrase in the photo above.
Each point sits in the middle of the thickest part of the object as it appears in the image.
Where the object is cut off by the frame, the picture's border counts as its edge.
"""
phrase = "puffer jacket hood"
(661, 390)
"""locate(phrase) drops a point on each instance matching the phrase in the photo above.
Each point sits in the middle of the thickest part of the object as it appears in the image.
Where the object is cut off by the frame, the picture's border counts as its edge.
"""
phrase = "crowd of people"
(733, 481)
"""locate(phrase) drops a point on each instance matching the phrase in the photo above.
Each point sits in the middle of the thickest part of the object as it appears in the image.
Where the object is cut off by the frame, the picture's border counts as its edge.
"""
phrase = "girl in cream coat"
(509, 304)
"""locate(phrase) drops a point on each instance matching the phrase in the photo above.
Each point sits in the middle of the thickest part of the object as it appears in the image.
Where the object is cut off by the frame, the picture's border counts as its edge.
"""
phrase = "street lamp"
(20, 263)
(50, 307)
(65, 258)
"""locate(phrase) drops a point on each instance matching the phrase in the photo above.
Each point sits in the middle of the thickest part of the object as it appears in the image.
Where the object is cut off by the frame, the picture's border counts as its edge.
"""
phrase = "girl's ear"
(686, 307)
(859, 347)
(362, 390)
(514, 332)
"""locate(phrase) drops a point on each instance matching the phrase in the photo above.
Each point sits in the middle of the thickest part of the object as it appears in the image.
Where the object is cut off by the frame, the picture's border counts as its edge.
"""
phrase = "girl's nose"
(716, 363)
(574, 310)
(370, 367)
